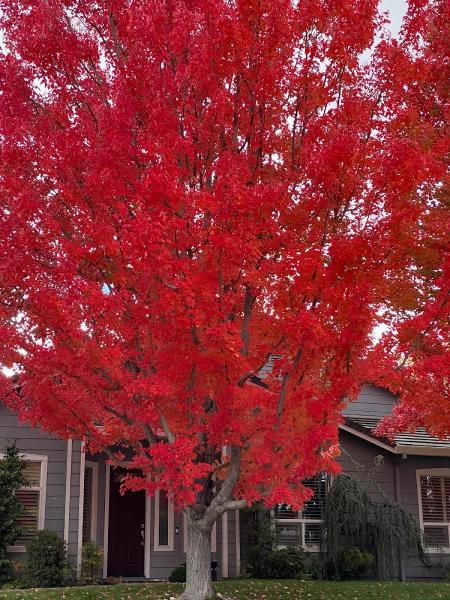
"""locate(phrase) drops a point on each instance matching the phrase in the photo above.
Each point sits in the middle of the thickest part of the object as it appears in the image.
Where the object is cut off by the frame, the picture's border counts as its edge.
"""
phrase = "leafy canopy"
(190, 188)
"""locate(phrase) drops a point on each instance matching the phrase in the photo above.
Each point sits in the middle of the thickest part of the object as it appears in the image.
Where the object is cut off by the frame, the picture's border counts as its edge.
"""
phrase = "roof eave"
(397, 448)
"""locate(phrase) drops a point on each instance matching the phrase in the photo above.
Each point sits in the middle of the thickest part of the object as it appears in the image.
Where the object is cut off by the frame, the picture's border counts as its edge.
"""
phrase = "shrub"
(178, 575)
(11, 479)
(286, 563)
(45, 560)
(354, 563)
(91, 563)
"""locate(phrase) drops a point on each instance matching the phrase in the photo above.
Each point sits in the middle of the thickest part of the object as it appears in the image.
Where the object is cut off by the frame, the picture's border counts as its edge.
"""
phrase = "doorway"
(126, 537)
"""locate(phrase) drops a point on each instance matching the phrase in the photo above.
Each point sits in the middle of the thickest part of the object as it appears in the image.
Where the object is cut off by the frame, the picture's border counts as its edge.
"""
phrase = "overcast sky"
(397, 9)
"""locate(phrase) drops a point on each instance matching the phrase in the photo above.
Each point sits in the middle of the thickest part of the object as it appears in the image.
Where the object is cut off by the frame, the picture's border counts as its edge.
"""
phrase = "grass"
(247, 590)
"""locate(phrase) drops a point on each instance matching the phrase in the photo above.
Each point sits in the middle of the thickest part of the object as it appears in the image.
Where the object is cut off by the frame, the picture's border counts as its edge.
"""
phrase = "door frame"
(148, 504)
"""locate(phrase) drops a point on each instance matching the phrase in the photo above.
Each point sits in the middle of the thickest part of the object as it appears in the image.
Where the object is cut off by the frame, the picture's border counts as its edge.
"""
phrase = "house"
(77, 495)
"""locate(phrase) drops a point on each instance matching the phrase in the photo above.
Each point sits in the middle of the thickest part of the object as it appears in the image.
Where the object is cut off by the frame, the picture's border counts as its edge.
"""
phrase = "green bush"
(45, 561)
(178, 575)
(11, 479)
(91, 563)
(286, 563)
(353, 563)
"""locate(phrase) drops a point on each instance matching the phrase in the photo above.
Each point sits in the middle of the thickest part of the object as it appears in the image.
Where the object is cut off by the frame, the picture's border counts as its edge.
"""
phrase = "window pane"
(163, 518)
(447, 497)
(288, 534)
(431, 490)
(28, 520)
(285, 511)
(32, 473)
(313, 509)
(87, 504)
(312, 534)
(436, 537)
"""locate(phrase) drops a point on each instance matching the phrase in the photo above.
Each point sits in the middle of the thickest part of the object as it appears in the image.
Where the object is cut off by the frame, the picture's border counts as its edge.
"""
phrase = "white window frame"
(302, 522)
(441, 472)
(171, 537)
(42, 489)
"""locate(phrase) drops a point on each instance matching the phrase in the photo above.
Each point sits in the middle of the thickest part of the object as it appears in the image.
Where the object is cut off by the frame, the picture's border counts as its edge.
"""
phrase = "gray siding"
(371, 402)
(34, 441)
(399, 485)
(408, 484)
(358, 459)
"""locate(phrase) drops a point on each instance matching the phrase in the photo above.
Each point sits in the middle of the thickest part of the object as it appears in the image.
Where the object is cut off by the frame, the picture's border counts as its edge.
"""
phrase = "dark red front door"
(126, 530)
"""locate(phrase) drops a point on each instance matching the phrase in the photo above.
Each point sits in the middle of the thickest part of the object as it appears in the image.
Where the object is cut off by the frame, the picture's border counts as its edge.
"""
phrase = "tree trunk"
(198, 561)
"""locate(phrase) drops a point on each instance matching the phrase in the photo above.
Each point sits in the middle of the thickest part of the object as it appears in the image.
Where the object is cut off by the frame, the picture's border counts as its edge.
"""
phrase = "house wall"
(371, 402)
(163, 562)
(415, 569)
(397, 480)
(32, 440)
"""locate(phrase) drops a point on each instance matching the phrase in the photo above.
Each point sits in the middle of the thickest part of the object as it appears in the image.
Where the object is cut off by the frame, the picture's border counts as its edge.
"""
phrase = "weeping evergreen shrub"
(384, 529)
(11, 479)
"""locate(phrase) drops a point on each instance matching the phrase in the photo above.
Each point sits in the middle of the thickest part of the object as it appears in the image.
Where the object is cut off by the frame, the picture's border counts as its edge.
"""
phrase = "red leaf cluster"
(190, 188)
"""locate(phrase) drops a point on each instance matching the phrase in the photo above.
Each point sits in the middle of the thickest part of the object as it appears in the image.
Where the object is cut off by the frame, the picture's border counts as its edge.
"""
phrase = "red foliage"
(190, 187)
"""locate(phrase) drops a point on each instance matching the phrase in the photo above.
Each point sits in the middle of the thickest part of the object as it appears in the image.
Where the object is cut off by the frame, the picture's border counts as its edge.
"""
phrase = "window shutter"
(431, 490)
(436, 536)
(28, 520)
(313, 509)
(447, 497)
(32, 473)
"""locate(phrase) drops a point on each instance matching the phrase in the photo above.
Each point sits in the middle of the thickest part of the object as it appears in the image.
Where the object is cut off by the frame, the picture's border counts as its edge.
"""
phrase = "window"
(164, 521)
(90, 502)
(434, 507)
(302, 528)
(32, 498)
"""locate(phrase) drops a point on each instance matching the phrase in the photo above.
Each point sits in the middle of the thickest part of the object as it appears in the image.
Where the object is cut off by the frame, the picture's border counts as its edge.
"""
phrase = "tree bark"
(198, 560)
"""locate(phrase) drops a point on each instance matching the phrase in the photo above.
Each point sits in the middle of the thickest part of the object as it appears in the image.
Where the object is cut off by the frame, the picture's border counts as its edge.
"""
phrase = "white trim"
(81, 507)
(147, 539)
(43, 494)
(68, 490)
(366, 437)
(106, 520)
(438, 472)
(225, 545)
(43, 459)
(422, 451)
(442, 472)
(156, 545)
(238, 542)
(94, 499)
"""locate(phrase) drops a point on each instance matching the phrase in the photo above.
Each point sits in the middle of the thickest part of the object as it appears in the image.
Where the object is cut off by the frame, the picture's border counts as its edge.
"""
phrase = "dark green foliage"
(287, 563)
(46, 560)
(11, 479)
(354, 563)
(381, 528)
(178, 575)
(257, 527)
(91, 563)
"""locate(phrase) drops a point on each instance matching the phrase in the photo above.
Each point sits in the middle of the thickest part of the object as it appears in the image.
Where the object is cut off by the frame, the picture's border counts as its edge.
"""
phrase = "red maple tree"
(190, 188)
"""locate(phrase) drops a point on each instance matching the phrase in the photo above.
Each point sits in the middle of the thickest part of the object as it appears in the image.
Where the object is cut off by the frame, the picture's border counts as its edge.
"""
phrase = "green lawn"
(248, 590)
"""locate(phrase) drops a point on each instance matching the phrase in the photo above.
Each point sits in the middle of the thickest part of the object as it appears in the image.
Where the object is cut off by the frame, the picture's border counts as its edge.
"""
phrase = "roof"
(404, 443)
(364, 413)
